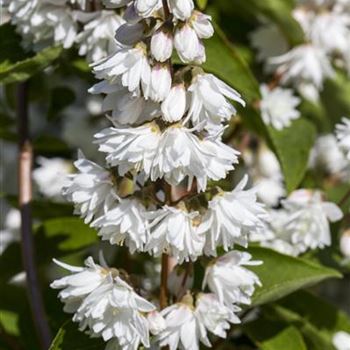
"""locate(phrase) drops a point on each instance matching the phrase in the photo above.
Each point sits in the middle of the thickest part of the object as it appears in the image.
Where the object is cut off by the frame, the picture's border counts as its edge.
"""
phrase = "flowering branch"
(25, 197)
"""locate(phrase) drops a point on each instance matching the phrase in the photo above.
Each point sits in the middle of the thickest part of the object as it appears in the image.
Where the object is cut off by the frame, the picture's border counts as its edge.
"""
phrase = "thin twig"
(163, 295)
(25, 196)
(166, 9)
(344, 199)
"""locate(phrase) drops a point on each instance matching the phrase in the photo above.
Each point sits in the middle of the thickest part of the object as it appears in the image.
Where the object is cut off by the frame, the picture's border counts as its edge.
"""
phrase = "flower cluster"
(167, 127)
(303, 223)
(305, 67)
(42, 23)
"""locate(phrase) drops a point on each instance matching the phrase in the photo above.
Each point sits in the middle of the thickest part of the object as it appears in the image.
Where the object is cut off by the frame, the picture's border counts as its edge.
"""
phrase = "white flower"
(175, 153)
(268, 41)
(215, 316)
(181, 154)
(124, 222)
(270, 190)
(128, 64)
(51, 176)
(126, 107)
(130, 148)
(181, 9)
(343, 136)
(331, 31)
(278, 106)
(175, 231)
(182, 328)
(231, 216)
(156, 322)
(341, 340)
(145, 8)
(210, 100)
(91, 190)
(80, 283)
(303, 64)
(42, 23)
(345, 243)
(187, 325)
(160, 83)
(11, 231)
(327, 156)
(201, 23)
(265, 170)
(230, 280)
(188, 45)
(105, 305)
(162, 44)
(96, 40)
(275, 235)
(175, 104)
(64, 24)
(308, 219)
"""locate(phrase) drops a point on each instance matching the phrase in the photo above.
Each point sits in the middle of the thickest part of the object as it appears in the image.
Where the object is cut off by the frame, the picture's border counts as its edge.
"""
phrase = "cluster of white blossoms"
(166, 135)
(43, 23)
(305, 67)
(303, 223)
(265, 171)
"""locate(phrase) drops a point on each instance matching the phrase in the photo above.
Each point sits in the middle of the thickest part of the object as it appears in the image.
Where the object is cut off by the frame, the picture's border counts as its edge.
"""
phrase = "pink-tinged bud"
(174, 106)
(201, 23)
(181, 9)
(160, 82)
(162, 44)
(189, 47)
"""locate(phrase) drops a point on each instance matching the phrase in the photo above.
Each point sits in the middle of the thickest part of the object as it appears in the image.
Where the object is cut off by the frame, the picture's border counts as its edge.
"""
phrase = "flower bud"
(145, 8)
(162, 43)
(201, 23)
(160, 82)
(188, 45)
(174, 106)
(156, 322)
(345, 244)
(181, 9)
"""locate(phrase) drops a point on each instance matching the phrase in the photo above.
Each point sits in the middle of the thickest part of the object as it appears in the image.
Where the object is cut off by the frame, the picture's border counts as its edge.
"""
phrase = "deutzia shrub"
(212, 175)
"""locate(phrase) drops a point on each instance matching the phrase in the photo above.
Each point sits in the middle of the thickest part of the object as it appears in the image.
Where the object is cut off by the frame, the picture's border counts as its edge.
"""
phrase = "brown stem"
(166, 9)
(344, 199)
(163, 295)
(25, 161)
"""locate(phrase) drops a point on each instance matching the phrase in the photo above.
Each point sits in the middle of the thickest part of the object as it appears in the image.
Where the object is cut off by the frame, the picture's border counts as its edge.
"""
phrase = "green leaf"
(289, 274)
(70, 338)
(269, 335)
(202, 4)
(279, 12)
(9, 322)
(316, 319)
(335, 98)
(49, 145)
(224, 61)
(74, 232)
(61, 97)
(17, 65)
(292, 146)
